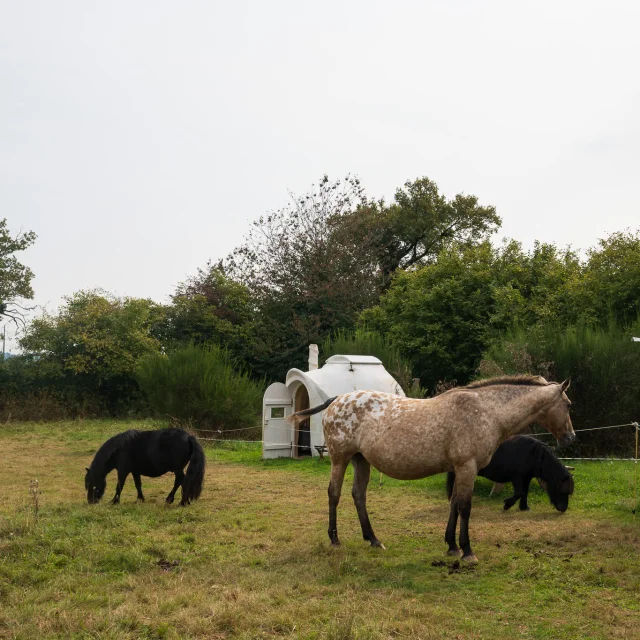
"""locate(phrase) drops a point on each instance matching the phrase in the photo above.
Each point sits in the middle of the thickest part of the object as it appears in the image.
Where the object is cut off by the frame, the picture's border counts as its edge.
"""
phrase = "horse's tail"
(194, 478)
(451, 478)
(300, 416)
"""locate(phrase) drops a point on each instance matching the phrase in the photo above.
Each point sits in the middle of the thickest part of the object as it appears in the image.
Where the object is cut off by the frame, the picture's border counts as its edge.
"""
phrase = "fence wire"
(285, 445)
(292, 429)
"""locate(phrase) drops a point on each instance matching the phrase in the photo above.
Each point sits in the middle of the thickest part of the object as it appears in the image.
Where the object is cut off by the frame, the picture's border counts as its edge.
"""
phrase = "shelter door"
(277, 433)
(302, 436)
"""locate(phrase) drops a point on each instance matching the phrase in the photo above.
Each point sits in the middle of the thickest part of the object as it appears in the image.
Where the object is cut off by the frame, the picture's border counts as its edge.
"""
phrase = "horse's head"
(95, 486)
(559, 492)
(556, 419)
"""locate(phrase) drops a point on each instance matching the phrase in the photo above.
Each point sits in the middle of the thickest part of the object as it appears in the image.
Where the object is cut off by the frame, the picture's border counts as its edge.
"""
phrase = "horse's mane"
(108, 449)
(521, 380)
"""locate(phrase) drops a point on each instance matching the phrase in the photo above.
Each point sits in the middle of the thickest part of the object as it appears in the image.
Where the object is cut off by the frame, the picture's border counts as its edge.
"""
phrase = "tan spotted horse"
(407, 438)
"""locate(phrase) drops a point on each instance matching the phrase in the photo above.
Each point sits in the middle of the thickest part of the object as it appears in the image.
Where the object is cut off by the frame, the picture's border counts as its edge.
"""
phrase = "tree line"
(418, 277)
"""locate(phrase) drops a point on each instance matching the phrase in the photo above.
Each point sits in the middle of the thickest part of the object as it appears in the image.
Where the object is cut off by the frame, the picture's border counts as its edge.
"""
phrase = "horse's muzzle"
(567, 439)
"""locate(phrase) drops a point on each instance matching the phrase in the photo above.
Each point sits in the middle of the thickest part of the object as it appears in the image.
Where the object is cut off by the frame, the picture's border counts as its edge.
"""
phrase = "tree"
(281, 247)
(610, 286)
(209, 307)
(439, 316)
(15, 278)
(418, 226)
(305, 279)
(533, 287)
(315, 265)
(445, 314)
(93, 344)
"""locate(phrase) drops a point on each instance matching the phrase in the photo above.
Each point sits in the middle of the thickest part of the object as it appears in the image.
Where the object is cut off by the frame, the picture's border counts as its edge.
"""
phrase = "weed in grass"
(35, 498)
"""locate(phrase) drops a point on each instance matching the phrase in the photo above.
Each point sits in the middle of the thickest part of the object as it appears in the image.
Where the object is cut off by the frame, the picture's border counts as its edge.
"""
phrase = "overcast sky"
(139, 139)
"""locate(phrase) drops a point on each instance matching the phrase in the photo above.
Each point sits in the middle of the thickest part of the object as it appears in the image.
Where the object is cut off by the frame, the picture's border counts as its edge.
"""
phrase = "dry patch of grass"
(251, 559)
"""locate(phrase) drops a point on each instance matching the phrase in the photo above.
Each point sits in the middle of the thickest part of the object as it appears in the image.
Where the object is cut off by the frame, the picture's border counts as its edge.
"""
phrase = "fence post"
(635, 473)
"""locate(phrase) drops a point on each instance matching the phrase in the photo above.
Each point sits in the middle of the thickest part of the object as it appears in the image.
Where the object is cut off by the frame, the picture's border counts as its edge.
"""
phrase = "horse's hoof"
(455, 552)
(140, 499)
(470, 559)
(525, 509)
(335, 543)
(378, 545)
(507, 506)
(169, 500)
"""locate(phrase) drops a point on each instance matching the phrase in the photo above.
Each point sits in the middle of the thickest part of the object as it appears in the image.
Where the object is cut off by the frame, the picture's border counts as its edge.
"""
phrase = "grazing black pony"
(152, 454)
(520, 459)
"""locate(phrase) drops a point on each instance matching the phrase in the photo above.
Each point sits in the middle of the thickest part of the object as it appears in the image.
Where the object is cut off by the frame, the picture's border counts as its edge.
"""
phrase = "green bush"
(201, 387)
(31, 389)
(604, 366)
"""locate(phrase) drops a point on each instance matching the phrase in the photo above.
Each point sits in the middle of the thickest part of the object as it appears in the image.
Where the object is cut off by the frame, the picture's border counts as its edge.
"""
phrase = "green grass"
(253, 559)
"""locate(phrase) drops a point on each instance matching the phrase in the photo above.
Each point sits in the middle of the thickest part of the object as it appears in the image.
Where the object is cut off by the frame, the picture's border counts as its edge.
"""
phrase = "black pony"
(520, 459)
(152, 454)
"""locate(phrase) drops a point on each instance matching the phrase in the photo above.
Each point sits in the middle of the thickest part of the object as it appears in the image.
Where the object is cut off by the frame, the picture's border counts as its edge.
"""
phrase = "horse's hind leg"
(136, 479)
(450, 533)
(338, 467)
(362, 471)
(465, 477)
(525, 494)
(176, 484)
(184, 501)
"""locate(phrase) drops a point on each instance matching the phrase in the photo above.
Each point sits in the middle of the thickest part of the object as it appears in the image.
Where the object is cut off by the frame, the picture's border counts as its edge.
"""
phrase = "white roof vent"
(339, 359)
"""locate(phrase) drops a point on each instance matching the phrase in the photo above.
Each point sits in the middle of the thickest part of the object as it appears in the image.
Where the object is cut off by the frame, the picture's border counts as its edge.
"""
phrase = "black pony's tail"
(300, 416)
(451, 478)
(194, 478)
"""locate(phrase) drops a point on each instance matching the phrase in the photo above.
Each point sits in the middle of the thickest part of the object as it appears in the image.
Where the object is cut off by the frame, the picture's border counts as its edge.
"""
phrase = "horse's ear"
(87, 469)
(566, 384)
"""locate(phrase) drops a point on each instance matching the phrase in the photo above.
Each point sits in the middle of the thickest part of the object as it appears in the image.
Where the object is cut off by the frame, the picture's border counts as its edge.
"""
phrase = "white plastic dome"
(304, 389)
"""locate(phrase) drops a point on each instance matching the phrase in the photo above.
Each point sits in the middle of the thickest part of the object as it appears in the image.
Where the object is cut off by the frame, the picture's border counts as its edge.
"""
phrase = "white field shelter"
(305, 389)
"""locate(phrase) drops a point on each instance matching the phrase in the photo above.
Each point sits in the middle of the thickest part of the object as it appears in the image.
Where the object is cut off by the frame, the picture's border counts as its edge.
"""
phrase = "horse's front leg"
(136, 479)
(517, 494)
(122, 477)
(463, 491)
(176, 484)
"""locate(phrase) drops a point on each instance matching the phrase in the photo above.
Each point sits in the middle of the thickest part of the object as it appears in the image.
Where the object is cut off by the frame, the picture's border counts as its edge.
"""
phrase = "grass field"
(251, 559)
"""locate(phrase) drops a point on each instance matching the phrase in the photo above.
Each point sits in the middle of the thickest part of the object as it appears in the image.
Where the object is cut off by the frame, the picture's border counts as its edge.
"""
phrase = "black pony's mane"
(100, 464)
(521, 380)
